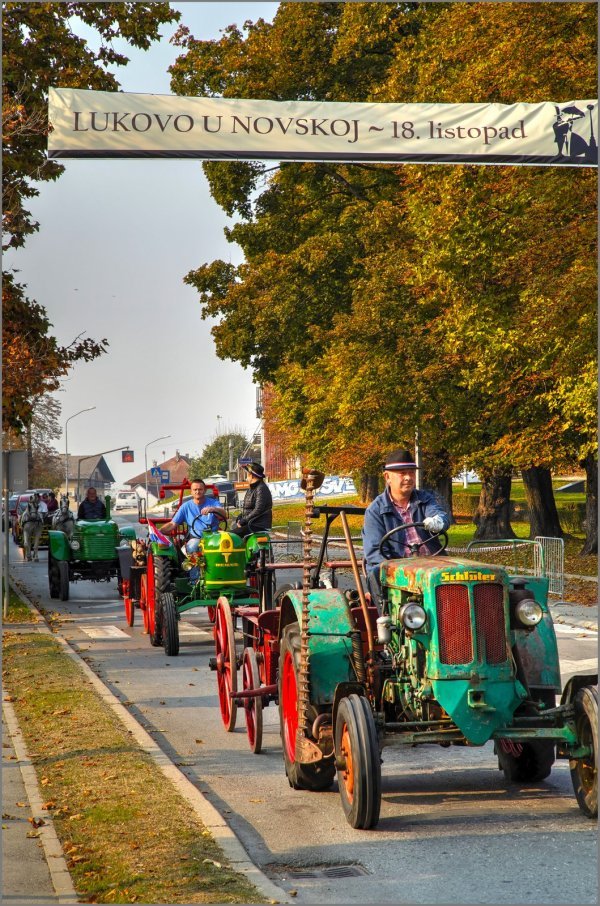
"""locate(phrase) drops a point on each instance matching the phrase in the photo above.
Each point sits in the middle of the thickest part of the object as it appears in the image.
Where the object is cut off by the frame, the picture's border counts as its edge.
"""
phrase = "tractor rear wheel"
(359, 762)
(158, 573)
(584, 771)
(63, 580)
(253, 707)
(320, 775)
(170, 629)
(528, 762)
(53, 577)
(226, 659)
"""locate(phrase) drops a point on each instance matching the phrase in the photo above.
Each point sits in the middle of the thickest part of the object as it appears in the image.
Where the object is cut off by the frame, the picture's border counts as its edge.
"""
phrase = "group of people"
(399, 504)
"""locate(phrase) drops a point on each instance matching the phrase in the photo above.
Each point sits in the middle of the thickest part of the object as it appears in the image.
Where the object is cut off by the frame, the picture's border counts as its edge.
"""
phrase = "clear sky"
(116, 239)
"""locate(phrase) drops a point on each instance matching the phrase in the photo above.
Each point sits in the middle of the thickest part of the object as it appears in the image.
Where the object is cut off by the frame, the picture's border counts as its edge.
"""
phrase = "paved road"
(451, 831)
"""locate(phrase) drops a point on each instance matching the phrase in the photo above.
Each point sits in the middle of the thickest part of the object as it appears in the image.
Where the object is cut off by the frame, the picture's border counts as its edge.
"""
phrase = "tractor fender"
(538, 651)
(575, 684)
(128, 532)
(58, 544)
(159, 550)
(330, 643)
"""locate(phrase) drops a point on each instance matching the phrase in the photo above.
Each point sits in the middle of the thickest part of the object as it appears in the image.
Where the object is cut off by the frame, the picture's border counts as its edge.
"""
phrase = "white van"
(126, 500)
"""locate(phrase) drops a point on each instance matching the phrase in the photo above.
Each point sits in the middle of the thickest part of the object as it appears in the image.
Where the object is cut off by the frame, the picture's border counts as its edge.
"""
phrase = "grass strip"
(127, 834)
(18, 611)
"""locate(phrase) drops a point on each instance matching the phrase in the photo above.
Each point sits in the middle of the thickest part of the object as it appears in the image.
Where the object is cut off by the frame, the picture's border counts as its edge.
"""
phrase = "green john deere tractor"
(457, 652)
(93, 552)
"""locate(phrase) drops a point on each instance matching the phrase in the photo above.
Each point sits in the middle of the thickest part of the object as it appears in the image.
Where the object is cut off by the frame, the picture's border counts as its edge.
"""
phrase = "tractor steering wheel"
(198, 533)
(414, 547)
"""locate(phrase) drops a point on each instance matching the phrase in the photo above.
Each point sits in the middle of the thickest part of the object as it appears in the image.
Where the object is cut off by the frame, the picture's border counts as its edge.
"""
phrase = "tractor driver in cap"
(400, 503)
(257, 509)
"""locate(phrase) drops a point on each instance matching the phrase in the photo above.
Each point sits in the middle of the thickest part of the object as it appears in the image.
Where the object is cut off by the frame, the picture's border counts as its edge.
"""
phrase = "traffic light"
(126, 455)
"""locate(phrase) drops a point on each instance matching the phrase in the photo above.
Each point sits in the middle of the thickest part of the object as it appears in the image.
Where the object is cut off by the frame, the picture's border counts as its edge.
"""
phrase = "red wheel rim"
(150, 595)
(226, 661)
(249, 703)
(348, 772)
(129, 611)
(144, 601)
(212, 614)
(289, 705)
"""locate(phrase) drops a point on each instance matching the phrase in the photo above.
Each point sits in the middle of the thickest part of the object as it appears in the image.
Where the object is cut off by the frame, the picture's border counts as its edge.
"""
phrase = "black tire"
(357, 744)
(534, 762)
(63, 580)
(315, 777)
(170, 628)
(53, 577)
(584, 771)
(162, 581)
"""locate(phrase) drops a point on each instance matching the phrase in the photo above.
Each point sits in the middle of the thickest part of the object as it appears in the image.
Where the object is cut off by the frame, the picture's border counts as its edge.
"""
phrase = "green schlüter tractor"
(458, 652)
(90, 553)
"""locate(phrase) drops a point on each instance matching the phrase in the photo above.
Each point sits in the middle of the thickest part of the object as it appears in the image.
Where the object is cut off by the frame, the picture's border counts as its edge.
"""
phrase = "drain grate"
(323, 871)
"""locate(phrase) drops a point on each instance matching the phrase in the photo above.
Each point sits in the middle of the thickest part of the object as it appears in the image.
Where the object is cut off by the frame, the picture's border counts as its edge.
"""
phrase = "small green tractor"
(92, 552)
(166, 581)
(457, 652)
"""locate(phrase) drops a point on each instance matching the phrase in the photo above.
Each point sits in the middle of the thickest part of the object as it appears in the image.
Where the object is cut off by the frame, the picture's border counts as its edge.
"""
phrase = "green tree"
(408, 296)
(214, 459)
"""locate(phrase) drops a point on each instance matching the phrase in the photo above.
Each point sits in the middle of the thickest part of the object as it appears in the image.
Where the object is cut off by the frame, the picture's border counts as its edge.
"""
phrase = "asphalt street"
(451, 829)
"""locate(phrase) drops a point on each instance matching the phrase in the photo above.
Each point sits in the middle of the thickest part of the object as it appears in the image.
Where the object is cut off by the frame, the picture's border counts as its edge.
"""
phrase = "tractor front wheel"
(226, 659)
(584, 771)
(320, 775)
(253, 707)
(358, 761)
(53, 577)
(63, 580)
(170, 629)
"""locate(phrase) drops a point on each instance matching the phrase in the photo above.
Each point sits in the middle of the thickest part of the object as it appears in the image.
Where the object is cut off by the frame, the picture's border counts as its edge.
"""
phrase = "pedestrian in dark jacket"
(257, 509)
(399, 504)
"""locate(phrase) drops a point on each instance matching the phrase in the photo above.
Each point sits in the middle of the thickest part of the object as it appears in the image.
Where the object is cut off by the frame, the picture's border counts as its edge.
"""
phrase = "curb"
(53, 851)
(205, 810)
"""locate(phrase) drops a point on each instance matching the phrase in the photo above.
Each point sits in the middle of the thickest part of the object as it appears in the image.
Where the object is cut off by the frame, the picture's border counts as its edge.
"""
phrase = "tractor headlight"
(74, 545)
(528, 612)
(413, 616)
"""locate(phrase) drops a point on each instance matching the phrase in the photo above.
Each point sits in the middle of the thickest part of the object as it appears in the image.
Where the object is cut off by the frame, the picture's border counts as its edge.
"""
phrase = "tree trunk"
(543, 515)
(590, 464)
(368, 486)
(437, 477)
(28, 441)
(493, 513)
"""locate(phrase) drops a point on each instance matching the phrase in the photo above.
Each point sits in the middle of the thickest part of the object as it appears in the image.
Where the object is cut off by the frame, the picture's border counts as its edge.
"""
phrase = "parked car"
(126, 500)
(225, 489)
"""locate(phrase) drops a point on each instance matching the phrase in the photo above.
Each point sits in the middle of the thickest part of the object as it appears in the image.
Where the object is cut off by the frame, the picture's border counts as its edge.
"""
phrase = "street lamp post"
(89, 409)
(155, 441)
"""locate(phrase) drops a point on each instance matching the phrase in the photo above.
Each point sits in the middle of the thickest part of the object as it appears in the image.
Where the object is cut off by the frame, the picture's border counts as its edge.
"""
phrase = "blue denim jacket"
(381, 516)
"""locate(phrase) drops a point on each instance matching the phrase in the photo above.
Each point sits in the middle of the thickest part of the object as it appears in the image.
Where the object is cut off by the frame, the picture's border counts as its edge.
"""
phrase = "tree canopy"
(457, 299)
(40, 48)
(214, 459)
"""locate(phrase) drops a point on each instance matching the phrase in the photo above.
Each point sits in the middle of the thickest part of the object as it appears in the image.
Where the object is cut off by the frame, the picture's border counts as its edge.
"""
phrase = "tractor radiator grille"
(97, 547)
(454, 624)
(489, 622)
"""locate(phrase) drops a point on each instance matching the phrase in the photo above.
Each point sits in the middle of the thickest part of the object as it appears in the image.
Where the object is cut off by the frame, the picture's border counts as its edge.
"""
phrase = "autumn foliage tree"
(457, 299)
(40, 49)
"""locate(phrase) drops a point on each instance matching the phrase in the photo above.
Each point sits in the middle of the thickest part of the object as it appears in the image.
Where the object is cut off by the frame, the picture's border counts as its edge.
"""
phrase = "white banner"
(332, 486)
(103, 124)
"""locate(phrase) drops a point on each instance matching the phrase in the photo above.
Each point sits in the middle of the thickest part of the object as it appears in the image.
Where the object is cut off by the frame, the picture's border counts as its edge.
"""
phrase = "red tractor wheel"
(128, 602)
(253, 707)
(359, 762)
(212, 614)
(320, 775)
(144, 601)
(226, 663)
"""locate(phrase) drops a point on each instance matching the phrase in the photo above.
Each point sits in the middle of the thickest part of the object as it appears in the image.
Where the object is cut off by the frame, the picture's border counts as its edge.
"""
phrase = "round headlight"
(74, 545)
(528, 612)
(413, 615)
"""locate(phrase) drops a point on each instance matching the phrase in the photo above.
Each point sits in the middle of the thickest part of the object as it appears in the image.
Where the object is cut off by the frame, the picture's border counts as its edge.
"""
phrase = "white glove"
(433, 524)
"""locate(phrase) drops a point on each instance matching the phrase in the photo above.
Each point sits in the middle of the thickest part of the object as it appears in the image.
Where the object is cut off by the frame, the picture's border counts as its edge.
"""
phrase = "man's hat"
(255, 469)
(397, 460)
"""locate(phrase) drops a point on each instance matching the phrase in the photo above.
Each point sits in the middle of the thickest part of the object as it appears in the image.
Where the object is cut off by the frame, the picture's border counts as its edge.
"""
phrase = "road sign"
(127, 456)
(245, 460)
(155, 472)
(165, 475)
